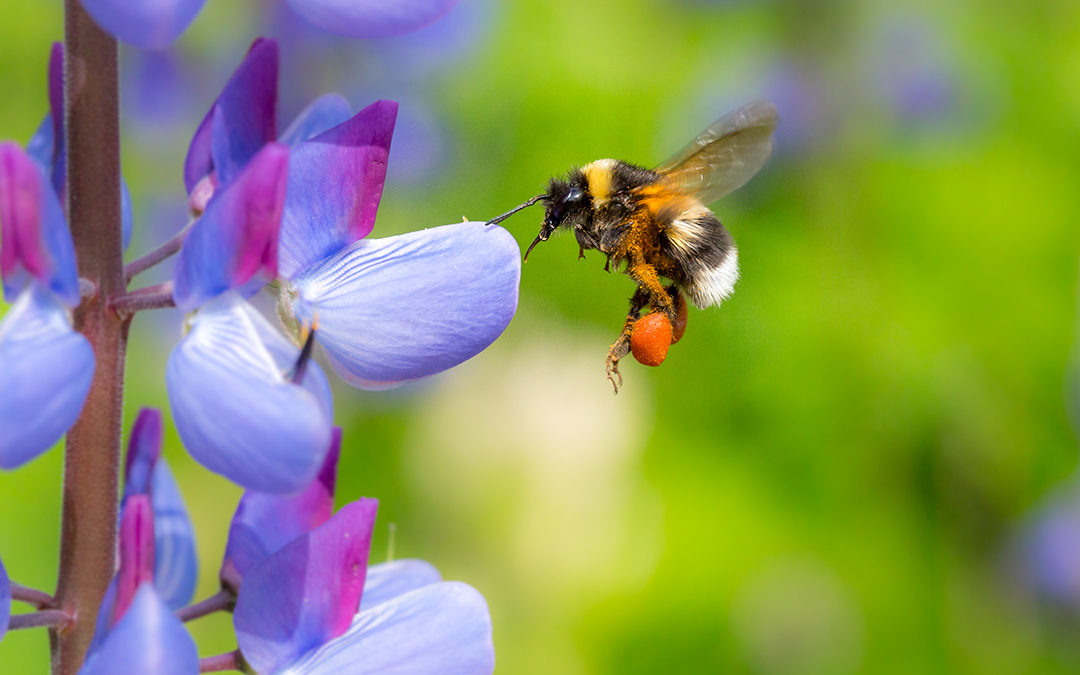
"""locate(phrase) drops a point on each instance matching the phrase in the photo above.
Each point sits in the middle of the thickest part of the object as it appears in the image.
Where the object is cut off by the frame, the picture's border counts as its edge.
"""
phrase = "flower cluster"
(285, 214)
(296, 575)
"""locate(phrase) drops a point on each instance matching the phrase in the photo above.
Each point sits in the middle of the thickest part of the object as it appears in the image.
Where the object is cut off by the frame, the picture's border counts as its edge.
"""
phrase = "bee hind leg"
(621, 347)
(648, 281)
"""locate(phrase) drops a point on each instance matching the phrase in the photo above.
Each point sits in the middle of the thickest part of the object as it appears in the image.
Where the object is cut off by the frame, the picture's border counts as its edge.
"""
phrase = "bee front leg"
(621, 347)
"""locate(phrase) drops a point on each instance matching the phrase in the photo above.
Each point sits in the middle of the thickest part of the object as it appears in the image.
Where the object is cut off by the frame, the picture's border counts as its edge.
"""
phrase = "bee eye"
(575, 195)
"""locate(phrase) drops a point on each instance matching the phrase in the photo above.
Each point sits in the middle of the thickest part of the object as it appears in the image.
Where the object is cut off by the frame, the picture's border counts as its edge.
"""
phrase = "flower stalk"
(91, 460)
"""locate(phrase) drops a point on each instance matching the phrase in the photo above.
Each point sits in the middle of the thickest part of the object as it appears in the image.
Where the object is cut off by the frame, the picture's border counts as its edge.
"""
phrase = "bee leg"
(581, 253)
(649, 281)
(621, 347)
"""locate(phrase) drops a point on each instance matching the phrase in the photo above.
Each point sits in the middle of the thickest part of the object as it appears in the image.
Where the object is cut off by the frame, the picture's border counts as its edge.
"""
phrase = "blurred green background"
(828, 473)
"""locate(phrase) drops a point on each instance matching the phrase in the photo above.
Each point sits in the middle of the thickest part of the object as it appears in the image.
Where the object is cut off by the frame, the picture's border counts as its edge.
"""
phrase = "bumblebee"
(655, 222)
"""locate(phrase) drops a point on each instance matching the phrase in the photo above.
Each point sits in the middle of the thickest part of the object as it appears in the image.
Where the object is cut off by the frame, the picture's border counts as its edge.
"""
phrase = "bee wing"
(726, 155)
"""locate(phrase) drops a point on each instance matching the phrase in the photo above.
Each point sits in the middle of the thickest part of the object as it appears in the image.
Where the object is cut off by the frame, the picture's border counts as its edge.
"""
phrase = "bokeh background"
(862, 462)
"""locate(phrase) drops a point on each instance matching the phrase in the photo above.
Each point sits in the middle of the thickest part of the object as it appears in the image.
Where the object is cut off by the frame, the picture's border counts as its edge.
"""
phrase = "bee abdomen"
(705, 256)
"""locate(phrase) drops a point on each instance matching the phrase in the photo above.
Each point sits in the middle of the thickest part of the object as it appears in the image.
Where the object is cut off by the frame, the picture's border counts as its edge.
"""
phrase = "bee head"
(567, 203)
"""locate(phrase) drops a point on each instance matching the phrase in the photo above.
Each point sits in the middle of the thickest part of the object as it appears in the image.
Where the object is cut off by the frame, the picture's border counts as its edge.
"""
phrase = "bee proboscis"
(656, 223)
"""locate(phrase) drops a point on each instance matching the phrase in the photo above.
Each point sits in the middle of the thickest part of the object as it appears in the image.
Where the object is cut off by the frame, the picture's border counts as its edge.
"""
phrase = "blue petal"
(148, 639)
(127, 220)
(40, 149)
(176, 565)
(147, 25)
(409, 306)
(241, 120)
(305, 594)
(235, 242)
(5, 600)
(388, 580)
(325, 112)
(264, 523)
(40, 246)
(45, 374)
(442, 628)
(371, 18)
(40, 145)
(235, 409)
(335, 184)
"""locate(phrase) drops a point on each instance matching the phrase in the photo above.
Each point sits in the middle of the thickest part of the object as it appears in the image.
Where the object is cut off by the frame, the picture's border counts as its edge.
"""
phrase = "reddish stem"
(46, 618)
(227, 661)
(32, 596)
(157, 296)
(221, 601)
(159, 254)
(91, 459)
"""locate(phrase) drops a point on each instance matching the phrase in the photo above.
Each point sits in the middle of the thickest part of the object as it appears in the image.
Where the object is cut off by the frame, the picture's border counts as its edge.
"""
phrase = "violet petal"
(234, 408)
(388, 580)
(176, 562)
(264, 522)
(307, 593)
(246, 119)
(371, 18)
(144, 448)
(442, 628)
(413, 305)
(45, 374)
(235, 242)
(147, 25)
(136, 552)
(34, 236)
(148, 639)
(335, 184)
(325, 112)
(5, 600)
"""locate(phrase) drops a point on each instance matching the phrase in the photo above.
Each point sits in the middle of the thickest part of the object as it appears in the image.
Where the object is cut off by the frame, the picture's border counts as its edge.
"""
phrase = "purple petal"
(5, 600)
(335, 184)
(58, 161)
(149, 639)
(34, 236)
(147, 473)
(263, 522)
(147, 25)
(235, 242)
(176, 563)
(45, 374)
(136, 552)
(144, 448)
(388, 580)
(242, 120)
(413, 305)
(325, 112)
(443, 628)
(234, 408)
(371, 18)
(307, 593)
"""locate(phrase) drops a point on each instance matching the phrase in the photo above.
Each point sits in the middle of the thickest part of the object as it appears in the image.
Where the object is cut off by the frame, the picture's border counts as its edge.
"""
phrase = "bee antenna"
(499, 219)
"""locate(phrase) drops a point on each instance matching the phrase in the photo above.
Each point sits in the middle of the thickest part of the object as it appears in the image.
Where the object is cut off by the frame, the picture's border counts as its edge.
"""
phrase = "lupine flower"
(45, 367)
(136, 631)
(387, 310)
(46, 146)
(307, 608)
(155, 25)
(147, 473)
